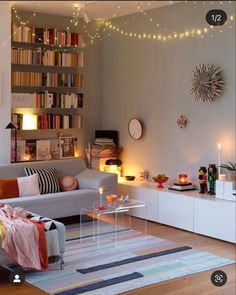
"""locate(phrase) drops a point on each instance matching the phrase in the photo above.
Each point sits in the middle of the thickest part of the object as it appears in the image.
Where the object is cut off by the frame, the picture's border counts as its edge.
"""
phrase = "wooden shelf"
(45, 69)
(45, 46)
(47, 129)
(31, 89)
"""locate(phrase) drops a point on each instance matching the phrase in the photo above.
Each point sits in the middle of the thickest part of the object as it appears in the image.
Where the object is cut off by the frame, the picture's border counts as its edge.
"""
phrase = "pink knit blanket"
(20, 237)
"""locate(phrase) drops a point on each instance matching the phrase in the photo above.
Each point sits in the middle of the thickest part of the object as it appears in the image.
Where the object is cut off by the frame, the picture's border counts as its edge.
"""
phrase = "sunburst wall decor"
(207, 82)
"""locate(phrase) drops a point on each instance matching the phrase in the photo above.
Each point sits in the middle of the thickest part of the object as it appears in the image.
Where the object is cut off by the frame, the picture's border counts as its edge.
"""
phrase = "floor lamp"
(13, 127)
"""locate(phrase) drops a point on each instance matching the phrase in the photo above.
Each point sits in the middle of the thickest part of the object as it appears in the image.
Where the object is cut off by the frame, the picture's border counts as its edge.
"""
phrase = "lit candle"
(101, 192)
(182, 178)
(219, 157)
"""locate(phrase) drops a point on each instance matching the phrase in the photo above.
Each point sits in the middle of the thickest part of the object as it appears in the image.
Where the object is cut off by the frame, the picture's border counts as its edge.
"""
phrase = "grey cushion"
(96, 179)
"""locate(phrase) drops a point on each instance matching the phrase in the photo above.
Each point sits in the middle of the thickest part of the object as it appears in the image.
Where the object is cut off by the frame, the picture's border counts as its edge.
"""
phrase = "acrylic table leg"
(115, 226)
(146, 223)
(80, 226)
(98, 230)
(93, 227)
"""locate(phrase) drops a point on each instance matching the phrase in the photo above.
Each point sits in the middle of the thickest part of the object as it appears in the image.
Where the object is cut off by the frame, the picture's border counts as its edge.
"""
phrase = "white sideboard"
(215, 219)
(175, 210)
(190, 211)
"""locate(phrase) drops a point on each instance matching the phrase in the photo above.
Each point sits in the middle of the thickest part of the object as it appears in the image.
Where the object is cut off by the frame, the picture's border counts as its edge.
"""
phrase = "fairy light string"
(105, 29)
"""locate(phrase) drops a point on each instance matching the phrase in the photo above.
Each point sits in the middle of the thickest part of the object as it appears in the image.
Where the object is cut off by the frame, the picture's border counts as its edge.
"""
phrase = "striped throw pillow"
(48, 181)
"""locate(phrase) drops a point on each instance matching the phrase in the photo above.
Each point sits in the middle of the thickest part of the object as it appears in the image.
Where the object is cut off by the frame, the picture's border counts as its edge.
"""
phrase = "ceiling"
(95, 9)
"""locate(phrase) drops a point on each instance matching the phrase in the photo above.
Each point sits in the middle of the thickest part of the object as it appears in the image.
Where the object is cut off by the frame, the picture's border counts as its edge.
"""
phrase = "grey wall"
(150, 80)
(92, 83)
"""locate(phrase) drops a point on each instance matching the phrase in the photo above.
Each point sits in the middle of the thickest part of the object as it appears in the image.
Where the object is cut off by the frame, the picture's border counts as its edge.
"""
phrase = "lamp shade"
(29, 122)
(116, 162)
(10, 126)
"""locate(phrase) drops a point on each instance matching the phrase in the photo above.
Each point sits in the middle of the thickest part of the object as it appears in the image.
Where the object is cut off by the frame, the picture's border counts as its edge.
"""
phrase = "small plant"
(230, 166)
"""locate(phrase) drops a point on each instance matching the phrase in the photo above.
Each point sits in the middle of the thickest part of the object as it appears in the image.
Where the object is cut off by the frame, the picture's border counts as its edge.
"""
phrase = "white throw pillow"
(28, 185)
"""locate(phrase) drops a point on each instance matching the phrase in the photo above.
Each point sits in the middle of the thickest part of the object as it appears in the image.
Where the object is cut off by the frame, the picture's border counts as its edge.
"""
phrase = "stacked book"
(182, 187)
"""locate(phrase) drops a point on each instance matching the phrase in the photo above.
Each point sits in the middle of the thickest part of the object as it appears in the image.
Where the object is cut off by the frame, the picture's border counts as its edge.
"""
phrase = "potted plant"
(231, 167)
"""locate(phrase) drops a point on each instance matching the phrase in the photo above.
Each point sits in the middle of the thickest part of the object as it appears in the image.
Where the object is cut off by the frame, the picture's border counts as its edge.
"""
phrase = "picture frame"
(67, 146)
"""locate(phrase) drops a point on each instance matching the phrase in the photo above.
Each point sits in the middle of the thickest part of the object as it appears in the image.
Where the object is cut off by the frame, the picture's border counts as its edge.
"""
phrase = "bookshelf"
(47, 81)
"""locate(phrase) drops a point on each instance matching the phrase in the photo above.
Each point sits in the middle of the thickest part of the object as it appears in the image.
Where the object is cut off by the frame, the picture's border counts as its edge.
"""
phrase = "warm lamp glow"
(27, 157)
(101, 190)
(29, 122)
(183, 178)
(76, 154)
(219, 146)
(113, 169)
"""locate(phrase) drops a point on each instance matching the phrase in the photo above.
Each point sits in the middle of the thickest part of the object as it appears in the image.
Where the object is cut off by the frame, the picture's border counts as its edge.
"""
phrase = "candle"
(100, 192)
(219, 157)
(182, 178)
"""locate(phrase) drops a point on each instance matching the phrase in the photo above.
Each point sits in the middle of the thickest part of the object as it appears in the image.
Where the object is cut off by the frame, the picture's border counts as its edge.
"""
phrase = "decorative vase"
(160, 181)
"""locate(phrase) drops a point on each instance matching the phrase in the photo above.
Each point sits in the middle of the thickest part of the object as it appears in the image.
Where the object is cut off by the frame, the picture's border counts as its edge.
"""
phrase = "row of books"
(47, 100)
(43, 149)
(26, 79)
(50, 36)
(50, 121)
(46, 79)
(46, 58)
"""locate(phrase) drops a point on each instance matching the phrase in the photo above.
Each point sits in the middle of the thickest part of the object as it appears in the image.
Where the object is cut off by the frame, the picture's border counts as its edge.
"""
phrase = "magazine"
(67, 147)
(30, 150)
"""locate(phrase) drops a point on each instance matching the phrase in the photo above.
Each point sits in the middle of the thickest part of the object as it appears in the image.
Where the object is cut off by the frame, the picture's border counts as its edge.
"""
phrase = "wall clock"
(135, 128)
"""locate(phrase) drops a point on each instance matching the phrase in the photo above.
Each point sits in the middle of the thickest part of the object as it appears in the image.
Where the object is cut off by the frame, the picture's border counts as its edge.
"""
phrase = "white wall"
(150, 80)
(5, 75)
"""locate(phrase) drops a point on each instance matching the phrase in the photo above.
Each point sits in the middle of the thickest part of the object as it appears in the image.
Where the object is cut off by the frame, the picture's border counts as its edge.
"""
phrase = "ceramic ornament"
(182, 122)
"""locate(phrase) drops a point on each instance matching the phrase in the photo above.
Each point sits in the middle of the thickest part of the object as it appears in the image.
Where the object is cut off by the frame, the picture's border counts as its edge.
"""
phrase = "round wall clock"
(135, 128)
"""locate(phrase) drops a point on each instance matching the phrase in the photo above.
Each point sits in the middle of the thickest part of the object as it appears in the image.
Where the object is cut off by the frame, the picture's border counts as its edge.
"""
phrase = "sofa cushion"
(48, 181)
(28, 185)
(9, 188)
(68, 183)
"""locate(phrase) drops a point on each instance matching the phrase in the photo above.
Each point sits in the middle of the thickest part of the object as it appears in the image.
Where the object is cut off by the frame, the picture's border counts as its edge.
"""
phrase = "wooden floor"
(197, 284)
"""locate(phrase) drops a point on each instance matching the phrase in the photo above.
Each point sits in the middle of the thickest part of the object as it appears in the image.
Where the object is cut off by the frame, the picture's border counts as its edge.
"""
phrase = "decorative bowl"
(160, 181)
(111, 198)
(130, 177)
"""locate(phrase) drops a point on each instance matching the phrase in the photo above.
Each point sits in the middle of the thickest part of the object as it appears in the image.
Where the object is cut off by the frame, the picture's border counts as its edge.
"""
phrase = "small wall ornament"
(182, 121)
(207, 82)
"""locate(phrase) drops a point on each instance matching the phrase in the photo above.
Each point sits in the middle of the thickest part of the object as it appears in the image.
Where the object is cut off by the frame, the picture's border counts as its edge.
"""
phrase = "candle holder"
(183, 178)
(101, 206)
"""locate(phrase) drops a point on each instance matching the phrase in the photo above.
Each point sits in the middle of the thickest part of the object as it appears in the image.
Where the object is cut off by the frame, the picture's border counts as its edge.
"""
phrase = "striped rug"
(137, 260)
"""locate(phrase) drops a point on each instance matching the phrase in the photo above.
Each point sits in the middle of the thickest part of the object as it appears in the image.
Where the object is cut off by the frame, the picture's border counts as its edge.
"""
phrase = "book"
(43, 151)
(67, 146)
(182, 189)
(30, 149)
(54, 148)
(21, 146)
(183, 184)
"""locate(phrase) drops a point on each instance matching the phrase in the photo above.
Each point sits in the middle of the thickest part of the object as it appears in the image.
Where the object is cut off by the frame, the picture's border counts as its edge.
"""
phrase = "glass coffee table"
(118, 207)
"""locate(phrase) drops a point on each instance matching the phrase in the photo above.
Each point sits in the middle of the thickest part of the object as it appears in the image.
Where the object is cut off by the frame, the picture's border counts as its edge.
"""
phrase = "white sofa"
(62, 204)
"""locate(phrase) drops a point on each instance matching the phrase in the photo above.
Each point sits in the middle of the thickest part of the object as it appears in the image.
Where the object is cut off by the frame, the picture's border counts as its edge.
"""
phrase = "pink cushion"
(68, 183)
(28, 185)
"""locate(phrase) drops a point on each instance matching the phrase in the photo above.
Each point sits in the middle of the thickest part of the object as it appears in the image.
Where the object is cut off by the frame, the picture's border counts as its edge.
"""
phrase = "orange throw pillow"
(9, 188)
